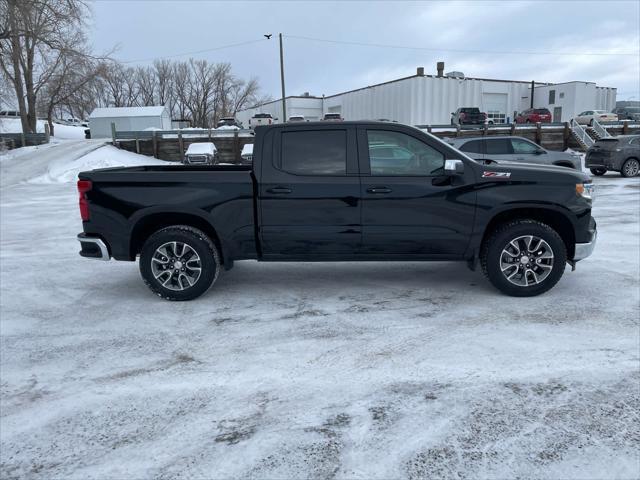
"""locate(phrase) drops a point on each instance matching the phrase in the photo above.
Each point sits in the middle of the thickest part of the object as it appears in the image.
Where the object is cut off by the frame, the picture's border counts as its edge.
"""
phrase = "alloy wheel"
(631, 168)
(526, 260)
(176, 265)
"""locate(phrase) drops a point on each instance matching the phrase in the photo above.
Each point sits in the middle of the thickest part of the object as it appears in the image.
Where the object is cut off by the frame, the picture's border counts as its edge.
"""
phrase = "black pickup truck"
(334, 192)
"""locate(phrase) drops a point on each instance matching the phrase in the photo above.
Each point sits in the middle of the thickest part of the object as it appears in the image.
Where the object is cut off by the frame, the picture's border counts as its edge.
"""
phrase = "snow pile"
(247, 149)
(228, 127)
(61, 170)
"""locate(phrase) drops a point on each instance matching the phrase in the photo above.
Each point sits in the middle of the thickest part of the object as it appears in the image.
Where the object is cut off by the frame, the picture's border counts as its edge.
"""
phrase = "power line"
(431, 49)
(195, 52)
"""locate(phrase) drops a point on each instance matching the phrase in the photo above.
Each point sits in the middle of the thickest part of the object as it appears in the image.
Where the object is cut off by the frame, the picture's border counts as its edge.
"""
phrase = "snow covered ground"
(371, 370)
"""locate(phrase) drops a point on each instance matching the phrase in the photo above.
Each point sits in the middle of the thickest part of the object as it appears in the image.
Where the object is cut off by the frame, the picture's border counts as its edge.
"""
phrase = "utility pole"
(284, 102)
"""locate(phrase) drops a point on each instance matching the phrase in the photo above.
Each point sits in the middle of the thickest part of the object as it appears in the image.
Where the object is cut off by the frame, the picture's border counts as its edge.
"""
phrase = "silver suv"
(513, 150)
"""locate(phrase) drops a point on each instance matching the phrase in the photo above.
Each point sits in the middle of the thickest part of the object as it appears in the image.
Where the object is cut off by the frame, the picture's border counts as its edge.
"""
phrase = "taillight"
(83, 187)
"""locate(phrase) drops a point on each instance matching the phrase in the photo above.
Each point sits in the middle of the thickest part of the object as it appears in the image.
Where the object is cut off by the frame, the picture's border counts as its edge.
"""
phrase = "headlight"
(586, 190)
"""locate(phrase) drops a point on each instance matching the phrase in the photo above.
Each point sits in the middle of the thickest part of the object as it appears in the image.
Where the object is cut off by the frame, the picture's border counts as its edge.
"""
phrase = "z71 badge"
(496, 174)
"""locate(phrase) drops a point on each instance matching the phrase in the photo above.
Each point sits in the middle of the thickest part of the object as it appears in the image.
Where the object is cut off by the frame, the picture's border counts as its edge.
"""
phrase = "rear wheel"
(630, 168)
(179, 263)
(524, 258)
(598, 172)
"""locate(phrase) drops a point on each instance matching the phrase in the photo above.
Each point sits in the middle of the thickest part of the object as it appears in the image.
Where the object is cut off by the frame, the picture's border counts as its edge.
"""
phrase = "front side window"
(396, 153)
(522, 146)
(321, 152)
(498, 146)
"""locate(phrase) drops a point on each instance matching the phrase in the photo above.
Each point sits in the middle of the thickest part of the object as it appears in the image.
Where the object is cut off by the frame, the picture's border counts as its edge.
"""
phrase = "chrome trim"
(104, 252)
(583, 250)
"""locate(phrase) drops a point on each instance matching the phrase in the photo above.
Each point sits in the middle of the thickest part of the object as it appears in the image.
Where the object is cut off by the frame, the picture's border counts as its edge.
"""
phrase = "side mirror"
(453, 167)
(540, 152)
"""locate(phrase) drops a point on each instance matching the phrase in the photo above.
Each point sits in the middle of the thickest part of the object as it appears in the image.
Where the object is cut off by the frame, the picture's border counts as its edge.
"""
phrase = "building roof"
(110, 112)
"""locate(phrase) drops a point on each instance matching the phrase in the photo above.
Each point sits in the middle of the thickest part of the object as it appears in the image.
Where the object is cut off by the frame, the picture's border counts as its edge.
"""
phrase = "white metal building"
(128, 118)
(429, 99)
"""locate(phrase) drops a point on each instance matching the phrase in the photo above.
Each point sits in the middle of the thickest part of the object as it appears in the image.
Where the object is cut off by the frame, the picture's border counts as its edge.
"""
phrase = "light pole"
(284, 102)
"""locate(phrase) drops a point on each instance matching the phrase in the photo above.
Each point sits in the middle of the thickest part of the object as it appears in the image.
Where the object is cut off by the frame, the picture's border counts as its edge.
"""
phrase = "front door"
(557, 114)
(498, 149)
(310, 194)
(409, 208)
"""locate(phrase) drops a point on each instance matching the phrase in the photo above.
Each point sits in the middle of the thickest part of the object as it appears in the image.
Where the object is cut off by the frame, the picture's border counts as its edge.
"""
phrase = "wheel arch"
(564, 163)
(151, 223)
(557, 220)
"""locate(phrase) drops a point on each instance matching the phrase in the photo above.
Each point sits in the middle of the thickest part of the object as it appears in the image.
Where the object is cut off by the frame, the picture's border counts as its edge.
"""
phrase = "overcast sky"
(467, 36)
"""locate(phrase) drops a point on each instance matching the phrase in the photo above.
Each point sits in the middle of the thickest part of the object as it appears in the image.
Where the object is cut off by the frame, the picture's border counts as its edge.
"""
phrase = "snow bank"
(228, 127)
(61, 170)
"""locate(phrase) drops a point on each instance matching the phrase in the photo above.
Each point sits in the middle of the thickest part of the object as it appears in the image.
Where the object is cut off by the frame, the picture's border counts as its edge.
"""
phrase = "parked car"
(228, 122)
(296, 118)
(513, 149)
(9, 113)
(200, 153)
(468, 116)
(587, 117)
(628, 113)
(246, 155)
(261, 119)
(312, 194)
(534, 115)
(332, 117)
(620, 154)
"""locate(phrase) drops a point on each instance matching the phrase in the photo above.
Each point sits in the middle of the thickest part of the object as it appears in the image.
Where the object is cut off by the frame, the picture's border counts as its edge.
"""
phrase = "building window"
(496, 116)
(561, 95)
(552, 97)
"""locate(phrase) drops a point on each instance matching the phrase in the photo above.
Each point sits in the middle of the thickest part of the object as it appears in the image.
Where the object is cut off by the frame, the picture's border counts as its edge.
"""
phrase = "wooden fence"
(16, 140)
(553, 136)
(172, 144)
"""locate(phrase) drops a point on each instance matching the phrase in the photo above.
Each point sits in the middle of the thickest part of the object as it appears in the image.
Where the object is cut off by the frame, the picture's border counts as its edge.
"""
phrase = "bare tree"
(37, 36)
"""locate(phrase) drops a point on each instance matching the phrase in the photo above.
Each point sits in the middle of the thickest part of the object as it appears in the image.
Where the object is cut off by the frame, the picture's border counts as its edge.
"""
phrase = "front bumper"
(583, 250)
(93, 247)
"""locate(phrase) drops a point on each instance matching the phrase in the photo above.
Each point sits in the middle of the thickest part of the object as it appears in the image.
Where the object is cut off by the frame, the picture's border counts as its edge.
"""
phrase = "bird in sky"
(268, 36)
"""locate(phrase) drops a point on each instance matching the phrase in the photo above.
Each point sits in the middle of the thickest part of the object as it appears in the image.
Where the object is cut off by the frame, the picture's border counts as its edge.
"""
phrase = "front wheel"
(179, 263)
(630, 168)
(524, 258)
(598, 172)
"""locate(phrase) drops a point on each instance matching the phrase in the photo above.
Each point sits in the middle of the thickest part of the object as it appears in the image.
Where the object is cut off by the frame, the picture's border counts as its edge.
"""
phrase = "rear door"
(408, 207)
(310, 193)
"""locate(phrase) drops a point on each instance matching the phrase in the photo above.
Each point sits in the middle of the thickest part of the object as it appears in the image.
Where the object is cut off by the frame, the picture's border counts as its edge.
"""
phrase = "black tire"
(499, 239)
(598, 172)
(630, 168)
(200, 243)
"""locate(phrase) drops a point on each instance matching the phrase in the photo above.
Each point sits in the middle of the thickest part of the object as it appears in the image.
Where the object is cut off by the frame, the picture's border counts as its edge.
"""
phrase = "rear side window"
(321, 152)
(498, 146)
(474, 146)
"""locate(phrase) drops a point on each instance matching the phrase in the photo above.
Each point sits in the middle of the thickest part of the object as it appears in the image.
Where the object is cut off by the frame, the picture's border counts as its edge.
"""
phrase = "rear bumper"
(93, 247)
(583, 250)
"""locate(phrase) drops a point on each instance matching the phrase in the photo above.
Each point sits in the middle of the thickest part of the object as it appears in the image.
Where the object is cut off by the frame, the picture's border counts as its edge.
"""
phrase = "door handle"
(279, 190)
(379, 190)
